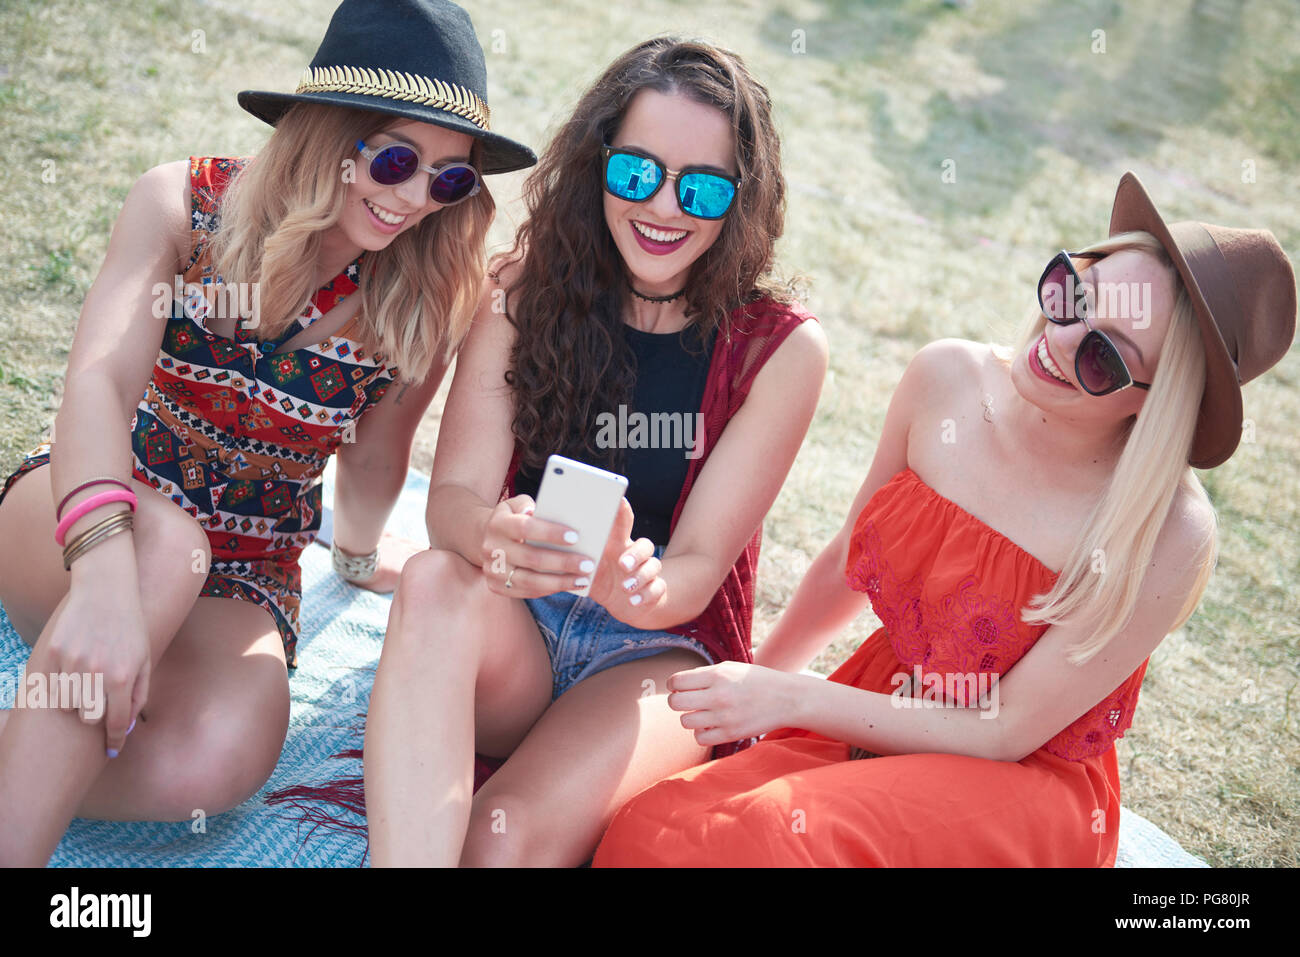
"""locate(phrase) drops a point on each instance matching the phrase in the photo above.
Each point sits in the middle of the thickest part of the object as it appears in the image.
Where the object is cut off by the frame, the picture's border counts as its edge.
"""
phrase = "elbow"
(1006, 741)
(674, 617)
(1012, 755)
(698, 607)
(697, 602)
(683, 604)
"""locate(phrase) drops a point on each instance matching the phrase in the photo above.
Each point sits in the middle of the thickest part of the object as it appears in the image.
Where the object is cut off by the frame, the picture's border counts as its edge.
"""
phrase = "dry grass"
(1039, 128)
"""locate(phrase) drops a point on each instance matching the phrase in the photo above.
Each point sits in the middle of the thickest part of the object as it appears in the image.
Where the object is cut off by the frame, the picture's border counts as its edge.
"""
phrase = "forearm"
(894, 724)
(457, 521)
(365, 492)
(822, 607)
(91, 440)
(687, 579)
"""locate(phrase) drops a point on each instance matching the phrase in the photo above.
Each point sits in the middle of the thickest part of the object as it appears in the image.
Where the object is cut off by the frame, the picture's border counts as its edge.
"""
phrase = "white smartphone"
(583, 498)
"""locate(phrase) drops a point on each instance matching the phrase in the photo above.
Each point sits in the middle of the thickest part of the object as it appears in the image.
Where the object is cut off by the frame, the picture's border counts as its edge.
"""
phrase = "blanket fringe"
(348, 796)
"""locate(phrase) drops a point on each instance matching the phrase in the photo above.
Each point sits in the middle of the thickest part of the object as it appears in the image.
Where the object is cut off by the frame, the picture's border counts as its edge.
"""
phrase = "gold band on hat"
(396, 86)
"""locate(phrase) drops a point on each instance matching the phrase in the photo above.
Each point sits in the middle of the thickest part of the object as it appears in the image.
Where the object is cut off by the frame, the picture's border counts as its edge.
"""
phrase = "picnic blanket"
(342, 629)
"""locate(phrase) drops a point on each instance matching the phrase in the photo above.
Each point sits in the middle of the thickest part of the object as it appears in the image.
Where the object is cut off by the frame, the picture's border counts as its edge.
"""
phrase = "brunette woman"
(640, 284)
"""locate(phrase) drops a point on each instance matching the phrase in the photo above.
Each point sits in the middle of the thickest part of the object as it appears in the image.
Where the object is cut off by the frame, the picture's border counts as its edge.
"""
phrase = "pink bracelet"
(89, 505)
(58, 512)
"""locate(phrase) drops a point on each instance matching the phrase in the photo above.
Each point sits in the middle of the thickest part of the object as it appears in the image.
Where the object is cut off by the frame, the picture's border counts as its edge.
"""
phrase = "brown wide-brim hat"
(1243, 289)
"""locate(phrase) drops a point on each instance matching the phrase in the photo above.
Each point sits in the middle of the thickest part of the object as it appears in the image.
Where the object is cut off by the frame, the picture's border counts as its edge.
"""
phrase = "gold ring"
(508, 577)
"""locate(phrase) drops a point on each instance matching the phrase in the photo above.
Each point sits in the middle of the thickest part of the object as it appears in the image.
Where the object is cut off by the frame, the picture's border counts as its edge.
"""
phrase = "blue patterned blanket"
(342, 630)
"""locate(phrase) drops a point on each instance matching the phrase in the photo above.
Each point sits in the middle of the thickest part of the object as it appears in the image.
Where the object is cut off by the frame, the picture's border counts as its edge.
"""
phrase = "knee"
(220, 764)
(505, 831)
(170, 539)
(436, 585)
(435, 575)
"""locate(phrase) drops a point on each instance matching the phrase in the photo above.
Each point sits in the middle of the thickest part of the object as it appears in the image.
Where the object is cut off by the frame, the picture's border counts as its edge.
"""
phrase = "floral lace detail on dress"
(967, 631)
(1102, 725)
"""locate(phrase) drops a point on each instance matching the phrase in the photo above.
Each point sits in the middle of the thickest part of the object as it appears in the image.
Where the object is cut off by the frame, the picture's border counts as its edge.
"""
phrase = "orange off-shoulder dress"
(948, 589)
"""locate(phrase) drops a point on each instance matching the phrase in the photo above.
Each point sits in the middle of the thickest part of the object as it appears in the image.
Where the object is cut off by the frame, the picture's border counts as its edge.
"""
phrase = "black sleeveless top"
(658, 432)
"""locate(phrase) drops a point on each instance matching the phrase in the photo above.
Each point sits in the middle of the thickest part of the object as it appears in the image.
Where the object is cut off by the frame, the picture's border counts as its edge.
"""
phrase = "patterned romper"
(238, 436)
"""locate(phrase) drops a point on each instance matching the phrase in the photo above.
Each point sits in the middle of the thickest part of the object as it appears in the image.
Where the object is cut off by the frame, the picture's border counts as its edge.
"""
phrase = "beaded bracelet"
(117, 522)
(354, 568)
(89, 505)
(100, 480)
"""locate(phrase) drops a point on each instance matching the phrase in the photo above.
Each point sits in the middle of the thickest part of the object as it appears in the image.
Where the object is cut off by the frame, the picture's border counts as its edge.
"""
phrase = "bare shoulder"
(169, 184)
(491, 333)
(503, 271)
(1190, 533)
(160, 198)
(494, 298)
(804, 351)
(1184, 553)
(943, 358)
(166, 188)
(945, 367)
(504, 268)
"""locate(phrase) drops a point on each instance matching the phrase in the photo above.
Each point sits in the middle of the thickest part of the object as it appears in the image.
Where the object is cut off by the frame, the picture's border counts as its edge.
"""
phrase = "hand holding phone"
(583, 498)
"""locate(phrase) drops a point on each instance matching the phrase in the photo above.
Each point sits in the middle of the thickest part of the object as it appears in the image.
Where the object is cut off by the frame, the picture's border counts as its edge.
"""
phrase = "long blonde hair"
(1103, 575)
(417, 294)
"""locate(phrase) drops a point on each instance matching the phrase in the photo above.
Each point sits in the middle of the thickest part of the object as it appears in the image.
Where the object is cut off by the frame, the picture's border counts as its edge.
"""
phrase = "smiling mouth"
(1049, 365)
(383, 215)
(657, 235)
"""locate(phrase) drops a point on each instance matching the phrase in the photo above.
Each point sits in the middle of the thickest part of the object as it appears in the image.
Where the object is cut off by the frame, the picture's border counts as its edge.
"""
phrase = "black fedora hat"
(418, 59)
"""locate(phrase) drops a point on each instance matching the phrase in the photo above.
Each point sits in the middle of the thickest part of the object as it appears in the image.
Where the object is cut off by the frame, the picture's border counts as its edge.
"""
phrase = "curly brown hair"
(570, 360)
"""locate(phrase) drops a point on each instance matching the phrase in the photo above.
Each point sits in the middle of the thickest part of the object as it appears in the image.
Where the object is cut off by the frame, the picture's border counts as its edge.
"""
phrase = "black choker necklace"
(676, 295)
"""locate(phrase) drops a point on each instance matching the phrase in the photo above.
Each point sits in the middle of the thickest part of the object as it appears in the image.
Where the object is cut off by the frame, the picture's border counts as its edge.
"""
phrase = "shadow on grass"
(1045, 76)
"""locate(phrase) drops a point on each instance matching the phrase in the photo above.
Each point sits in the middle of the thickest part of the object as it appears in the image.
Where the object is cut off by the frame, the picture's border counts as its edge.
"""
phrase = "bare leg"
(604, 740)
(461, 668)
(214, 705)
(218, 715)
(33, 582)
(215, 723)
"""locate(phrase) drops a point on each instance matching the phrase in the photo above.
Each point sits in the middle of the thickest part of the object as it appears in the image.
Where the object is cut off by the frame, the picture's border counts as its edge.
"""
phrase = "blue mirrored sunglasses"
(636, 177)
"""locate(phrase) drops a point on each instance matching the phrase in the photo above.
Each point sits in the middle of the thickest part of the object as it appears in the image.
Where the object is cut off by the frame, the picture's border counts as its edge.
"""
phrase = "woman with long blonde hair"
(227, 301)
(1029, 531)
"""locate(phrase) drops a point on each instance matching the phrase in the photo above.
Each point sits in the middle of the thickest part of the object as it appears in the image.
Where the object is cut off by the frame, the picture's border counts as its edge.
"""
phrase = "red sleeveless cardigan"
(755, 332)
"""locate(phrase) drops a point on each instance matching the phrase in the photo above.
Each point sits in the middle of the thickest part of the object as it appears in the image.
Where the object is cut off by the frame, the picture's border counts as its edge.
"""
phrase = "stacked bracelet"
(101, 480)
(106, 528)
(89, 505)
(354, 568)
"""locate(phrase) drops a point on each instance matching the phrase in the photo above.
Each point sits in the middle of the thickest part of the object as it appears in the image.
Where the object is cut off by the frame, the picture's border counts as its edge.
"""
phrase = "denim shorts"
(583, 638)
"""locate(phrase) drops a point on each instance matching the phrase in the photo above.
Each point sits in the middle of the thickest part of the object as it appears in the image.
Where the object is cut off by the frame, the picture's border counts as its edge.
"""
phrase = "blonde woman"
(181, 515)
(1029, 531)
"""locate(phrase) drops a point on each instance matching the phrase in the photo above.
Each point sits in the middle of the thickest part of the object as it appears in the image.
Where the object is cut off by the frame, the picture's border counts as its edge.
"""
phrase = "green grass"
(1037, 127)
